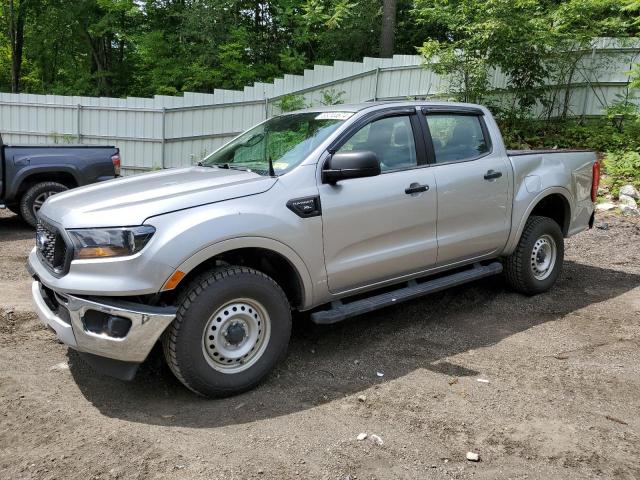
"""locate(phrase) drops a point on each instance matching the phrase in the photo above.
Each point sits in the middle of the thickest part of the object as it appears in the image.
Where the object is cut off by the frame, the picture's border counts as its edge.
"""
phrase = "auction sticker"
(334, 116)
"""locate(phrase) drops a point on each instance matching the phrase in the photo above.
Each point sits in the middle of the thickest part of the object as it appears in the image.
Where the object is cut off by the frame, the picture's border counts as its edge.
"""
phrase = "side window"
(390, 138)
(456, 137)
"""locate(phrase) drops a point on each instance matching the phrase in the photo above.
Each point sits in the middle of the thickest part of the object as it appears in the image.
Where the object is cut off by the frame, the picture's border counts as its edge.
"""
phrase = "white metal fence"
(165, 132)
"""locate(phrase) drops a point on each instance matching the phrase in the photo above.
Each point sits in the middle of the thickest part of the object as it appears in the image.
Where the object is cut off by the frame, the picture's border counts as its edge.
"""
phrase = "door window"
(457, 137)
(391, 139)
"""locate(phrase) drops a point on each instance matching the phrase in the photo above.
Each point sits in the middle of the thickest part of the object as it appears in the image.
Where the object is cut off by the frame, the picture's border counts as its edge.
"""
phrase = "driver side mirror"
(346, 165)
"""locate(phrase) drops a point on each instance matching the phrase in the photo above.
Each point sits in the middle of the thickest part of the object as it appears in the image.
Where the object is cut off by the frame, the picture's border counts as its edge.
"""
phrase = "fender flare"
(27, 172)
(255, 242)
(515, 235)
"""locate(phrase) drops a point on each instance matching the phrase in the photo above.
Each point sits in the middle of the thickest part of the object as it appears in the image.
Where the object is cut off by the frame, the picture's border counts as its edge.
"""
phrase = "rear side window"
(456, 137)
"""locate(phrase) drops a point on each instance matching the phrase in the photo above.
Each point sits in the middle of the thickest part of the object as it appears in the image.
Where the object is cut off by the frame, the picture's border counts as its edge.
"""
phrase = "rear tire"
(34, 197)
(232, 327)
(536, 263)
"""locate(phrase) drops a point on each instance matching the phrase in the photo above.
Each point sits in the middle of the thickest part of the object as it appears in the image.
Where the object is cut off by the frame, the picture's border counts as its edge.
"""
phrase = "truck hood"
(130, 201)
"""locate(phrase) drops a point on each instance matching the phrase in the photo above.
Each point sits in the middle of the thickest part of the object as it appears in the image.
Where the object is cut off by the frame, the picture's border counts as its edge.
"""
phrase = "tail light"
(115, 159)
(595, 181)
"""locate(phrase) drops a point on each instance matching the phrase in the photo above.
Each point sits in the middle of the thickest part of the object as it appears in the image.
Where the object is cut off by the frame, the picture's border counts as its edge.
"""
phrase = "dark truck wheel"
(232, 327)
(34, 197)
(536, 263)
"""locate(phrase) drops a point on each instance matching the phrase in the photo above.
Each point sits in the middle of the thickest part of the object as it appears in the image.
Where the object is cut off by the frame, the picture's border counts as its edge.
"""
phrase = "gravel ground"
(542, 387)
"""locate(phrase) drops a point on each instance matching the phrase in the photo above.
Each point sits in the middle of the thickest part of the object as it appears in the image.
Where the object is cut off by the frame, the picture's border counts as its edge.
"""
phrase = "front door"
(473, 187)
(383, 227)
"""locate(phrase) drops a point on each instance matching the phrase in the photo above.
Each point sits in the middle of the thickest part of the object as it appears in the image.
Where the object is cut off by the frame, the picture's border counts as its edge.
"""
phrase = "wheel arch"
(554, 203)
(268, 256)
(33, 177)
(556, 207)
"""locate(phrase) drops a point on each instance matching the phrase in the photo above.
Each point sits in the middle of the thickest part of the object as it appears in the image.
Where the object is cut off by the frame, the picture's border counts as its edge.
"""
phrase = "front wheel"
(232, 327)
(536, 263)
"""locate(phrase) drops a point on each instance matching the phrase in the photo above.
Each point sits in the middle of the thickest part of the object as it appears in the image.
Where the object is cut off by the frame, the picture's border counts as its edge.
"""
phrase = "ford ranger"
(30, 174)
(336, 211)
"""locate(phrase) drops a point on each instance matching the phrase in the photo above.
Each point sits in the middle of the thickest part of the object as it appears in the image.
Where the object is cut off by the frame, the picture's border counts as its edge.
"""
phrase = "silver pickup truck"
(334, 210)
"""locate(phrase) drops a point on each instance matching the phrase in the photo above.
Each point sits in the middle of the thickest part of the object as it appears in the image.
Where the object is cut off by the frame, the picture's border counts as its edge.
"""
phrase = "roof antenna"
(272, 173)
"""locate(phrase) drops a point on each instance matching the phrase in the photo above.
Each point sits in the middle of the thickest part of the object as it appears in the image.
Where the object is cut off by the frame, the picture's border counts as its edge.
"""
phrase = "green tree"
(14, 15)
(528, 40)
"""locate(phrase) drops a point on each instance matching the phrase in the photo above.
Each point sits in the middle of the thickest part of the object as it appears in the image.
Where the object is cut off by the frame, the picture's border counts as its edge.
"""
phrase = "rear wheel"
(536, 263)
(34, 198)
(232, 327)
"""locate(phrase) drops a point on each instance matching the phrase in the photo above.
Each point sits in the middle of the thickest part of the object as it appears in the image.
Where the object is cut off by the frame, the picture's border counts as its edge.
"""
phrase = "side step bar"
(340, 311)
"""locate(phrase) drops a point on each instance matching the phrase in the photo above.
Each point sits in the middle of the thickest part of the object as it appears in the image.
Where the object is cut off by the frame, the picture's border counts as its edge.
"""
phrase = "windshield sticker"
(334, 116)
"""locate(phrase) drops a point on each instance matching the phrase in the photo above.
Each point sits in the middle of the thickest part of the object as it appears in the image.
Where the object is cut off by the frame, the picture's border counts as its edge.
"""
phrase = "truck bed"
(517, 153)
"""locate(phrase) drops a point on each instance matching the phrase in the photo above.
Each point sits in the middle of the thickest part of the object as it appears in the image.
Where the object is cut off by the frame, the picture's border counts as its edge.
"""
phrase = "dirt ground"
(559, 396)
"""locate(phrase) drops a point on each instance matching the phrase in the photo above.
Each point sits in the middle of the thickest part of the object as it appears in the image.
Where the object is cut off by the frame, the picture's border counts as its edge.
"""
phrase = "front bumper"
(139, 274)
(65, 314)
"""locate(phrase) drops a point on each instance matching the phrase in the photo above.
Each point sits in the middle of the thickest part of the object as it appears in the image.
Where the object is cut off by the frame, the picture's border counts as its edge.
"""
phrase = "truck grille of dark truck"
(51, 247)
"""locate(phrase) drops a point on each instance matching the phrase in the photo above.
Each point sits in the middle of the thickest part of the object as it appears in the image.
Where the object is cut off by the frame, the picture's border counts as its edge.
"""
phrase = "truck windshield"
(284, 141)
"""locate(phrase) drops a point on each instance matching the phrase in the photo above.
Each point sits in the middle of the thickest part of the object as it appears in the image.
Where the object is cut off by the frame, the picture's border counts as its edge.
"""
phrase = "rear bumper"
(67, 316)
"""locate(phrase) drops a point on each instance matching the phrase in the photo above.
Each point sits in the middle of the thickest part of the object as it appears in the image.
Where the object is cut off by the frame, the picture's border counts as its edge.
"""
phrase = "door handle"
(492, 174)
(416, 188)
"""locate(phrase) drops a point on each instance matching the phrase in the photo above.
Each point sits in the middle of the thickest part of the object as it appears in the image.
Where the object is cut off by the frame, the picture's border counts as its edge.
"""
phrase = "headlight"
(110, 242)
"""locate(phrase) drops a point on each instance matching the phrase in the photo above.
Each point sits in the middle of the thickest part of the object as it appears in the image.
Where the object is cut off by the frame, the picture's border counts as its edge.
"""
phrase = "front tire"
(34, 197)
(536, 263)
(232, 327)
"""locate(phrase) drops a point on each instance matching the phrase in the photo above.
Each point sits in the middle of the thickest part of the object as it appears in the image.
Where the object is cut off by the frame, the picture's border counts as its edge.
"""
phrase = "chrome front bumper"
(65, 315)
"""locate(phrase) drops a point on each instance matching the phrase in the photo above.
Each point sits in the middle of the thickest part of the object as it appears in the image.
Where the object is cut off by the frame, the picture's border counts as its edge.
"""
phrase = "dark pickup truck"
(32, 173)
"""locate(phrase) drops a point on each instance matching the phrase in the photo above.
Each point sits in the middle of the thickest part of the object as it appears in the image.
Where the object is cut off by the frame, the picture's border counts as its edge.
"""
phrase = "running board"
(340, 311)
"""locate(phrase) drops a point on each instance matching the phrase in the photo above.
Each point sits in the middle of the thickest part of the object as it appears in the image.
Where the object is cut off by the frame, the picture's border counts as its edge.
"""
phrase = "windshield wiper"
(233, 167)
(226, 166)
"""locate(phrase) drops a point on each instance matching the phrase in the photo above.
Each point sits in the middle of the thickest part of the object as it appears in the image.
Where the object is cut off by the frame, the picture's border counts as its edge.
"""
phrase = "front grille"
(51, 246)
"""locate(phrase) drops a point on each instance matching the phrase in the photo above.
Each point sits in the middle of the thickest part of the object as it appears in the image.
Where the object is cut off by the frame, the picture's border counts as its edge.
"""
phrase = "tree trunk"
(16, 38)
(101, 62)
(387, 35)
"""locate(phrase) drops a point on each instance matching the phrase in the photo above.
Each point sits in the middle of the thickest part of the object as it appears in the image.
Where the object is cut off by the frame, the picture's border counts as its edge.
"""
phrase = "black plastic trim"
(341, 311)
(300, 206)
(492, 175)
(108, 366)
(58, 273)
(416, 189)
(422, 157)
(120, 304)
(459, 110)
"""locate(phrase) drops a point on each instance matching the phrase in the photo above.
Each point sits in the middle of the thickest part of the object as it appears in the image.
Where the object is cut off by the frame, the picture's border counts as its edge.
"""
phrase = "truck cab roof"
(358, 107)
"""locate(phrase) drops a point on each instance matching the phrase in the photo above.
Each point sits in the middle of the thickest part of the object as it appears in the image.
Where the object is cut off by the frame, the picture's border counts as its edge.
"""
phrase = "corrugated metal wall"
(168, 132)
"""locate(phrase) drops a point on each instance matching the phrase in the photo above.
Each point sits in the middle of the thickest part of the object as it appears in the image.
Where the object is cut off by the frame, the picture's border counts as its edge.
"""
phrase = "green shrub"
(621, 168)
(617, 134)
(600, 135)
(291, 102)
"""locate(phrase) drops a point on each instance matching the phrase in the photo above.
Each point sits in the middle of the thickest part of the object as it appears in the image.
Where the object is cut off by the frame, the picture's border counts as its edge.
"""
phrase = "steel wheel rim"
(236, 335)
(543, 257)
(39, 201)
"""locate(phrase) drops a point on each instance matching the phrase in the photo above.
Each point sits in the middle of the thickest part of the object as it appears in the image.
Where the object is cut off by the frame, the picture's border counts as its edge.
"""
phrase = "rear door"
(473, 185)
(383, 227)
